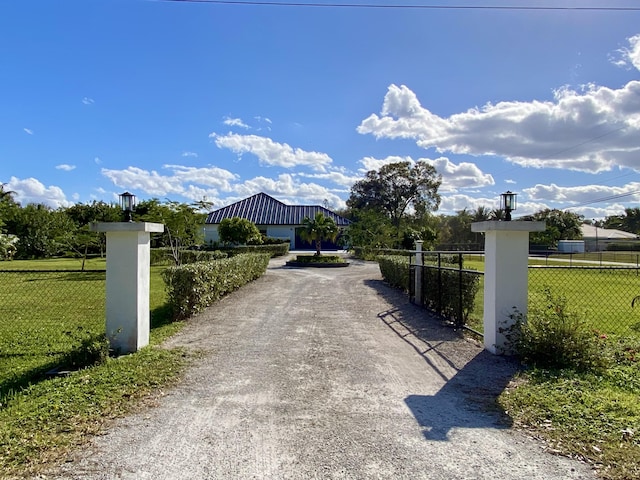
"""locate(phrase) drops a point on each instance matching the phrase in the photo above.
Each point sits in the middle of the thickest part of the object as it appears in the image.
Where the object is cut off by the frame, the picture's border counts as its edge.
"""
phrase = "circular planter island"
(315, 261)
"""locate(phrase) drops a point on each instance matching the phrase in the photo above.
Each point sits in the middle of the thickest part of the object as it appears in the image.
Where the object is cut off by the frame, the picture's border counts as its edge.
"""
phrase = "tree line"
(391, 207)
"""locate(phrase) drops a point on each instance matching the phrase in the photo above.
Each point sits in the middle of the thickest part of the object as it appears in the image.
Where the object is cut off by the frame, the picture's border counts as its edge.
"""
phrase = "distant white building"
(596, 239)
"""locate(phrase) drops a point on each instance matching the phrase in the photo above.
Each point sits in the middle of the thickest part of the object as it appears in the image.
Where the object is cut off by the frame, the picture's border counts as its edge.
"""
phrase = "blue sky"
(185, 101)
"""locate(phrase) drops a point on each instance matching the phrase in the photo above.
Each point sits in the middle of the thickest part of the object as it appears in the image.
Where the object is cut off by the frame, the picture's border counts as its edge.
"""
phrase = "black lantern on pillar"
(127, 203)
(508, 203)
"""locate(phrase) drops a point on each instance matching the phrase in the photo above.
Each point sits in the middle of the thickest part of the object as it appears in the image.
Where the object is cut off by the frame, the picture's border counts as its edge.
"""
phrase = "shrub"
(319, 259)
(624, 247)
(163, 256)
(195, 286)
(238, 230)
(395, 270)
(273, 250)
(89, 349)
(555, 336)
(450, 291)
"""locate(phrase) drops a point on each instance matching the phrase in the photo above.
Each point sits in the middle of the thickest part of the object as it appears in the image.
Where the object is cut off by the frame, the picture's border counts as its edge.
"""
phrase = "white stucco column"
(127, 306)
(506, 287)
(417, 295)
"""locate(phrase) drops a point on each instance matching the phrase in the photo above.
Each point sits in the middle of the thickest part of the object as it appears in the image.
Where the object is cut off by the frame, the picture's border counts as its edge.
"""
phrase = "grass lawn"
(41, 419)
(593, 417)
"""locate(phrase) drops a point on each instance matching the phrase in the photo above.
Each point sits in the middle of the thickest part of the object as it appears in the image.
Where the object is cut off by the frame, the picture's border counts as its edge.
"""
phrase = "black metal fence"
(438, 281)
(602, 293)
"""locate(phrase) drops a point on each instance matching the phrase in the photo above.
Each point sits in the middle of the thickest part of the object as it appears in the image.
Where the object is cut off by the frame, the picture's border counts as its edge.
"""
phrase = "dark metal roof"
(262, 209)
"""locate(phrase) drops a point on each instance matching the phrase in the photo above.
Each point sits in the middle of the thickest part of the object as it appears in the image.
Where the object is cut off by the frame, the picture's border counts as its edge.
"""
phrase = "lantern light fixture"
(127, 203)
(508, 203)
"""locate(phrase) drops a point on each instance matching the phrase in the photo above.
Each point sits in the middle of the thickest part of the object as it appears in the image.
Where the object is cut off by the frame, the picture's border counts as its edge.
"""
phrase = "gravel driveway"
(323, 374)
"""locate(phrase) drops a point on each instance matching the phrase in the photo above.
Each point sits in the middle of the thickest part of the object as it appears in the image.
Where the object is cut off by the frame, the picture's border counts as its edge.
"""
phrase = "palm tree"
(317, 229)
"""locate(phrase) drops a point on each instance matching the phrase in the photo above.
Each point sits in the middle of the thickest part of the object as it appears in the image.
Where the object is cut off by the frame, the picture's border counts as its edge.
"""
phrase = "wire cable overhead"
(409, 6)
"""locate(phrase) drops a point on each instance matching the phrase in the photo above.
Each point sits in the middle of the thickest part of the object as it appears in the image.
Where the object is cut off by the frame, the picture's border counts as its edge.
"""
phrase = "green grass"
(589, 416)
(603, 296)
(41, 424)
(40, 419)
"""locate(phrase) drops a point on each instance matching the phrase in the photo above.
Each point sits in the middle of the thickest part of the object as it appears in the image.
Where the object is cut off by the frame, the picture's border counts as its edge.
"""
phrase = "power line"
(408, 6)
(603, 199)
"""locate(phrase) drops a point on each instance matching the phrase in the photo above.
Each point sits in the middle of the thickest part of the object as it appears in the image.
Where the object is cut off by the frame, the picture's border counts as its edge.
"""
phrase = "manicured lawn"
(47, 314)
(604, 296)
(44, 316)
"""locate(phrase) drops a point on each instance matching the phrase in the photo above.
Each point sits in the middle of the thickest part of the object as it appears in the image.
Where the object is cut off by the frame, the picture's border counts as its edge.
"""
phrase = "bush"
(238, 230)
(319, 259)
(89, 349)
(624, 247)
(163, 256)
(554, 336)
(450, 291)
(195, 286)
(277, 250)
(395, 270)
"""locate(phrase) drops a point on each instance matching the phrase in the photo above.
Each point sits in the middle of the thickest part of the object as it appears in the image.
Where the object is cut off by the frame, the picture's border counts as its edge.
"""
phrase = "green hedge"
(370, 253)
(277, 250)
(194, 286)
(442, 292)
(624, 247)
(319, 259)
(395, 270)
(163, 256)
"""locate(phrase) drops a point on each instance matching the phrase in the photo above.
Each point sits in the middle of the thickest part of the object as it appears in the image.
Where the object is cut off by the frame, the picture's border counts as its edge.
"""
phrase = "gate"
(439, 282)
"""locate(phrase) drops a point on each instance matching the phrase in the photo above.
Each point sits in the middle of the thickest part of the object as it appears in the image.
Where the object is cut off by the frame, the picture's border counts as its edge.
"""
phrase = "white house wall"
(285, 232)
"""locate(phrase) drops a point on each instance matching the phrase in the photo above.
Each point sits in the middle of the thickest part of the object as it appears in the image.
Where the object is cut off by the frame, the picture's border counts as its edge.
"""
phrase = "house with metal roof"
(273, 218)
(597, 239)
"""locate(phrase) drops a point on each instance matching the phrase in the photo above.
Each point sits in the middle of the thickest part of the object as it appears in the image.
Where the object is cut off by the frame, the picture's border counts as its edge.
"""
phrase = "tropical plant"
(317, 229)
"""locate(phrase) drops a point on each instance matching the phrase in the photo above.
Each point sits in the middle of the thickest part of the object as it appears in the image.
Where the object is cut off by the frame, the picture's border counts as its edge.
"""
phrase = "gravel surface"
(323, 374)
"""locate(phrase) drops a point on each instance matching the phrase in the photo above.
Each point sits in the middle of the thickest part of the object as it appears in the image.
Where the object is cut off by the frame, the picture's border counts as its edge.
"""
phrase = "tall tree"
(395, 187)
(183, 224)
(561, 225)
(317, 229)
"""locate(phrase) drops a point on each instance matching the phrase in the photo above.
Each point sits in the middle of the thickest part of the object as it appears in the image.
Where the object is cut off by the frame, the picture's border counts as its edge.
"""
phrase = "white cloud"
(371, 163)
(31, 190)
(65, 167)
(190, 154)
(97, 160)
(336, 177)
(628, 57)
(569, 196)
(272, 153)
(462, 175)
(592, 130)
(189, 182)
(286, 189)
(235, 122)
(88, 101)
(28, 131)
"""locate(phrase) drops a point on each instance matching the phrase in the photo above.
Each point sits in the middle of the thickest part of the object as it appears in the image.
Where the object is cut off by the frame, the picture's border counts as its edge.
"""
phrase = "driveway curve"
(323, 374)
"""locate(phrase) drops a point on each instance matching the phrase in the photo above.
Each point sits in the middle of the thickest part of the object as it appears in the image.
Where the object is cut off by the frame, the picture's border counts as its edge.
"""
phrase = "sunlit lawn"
(604, 296)
(46, 314)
